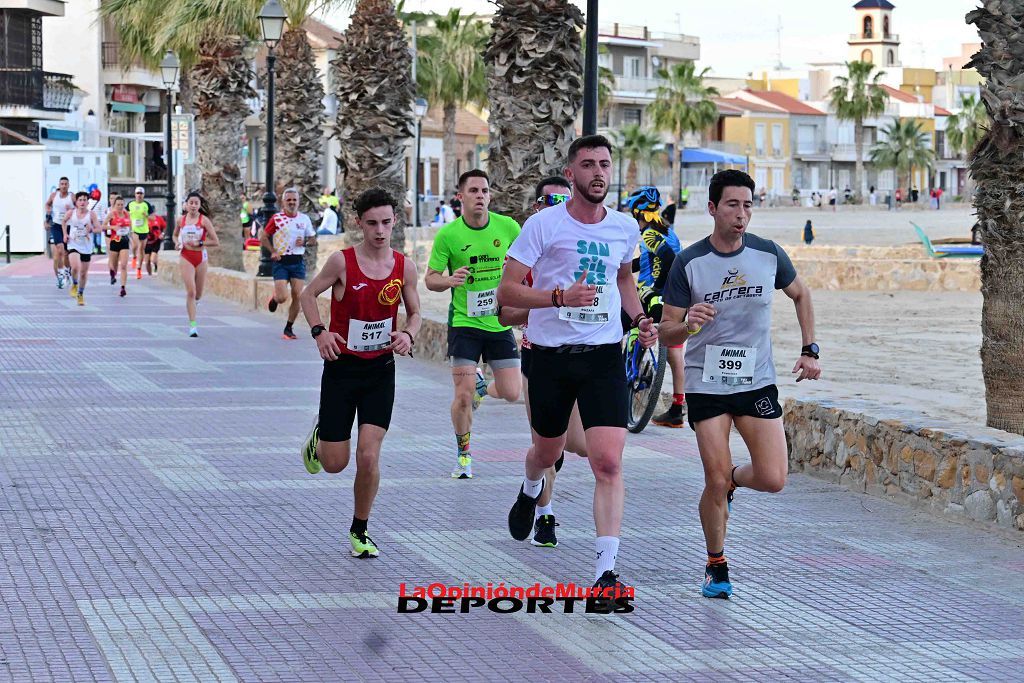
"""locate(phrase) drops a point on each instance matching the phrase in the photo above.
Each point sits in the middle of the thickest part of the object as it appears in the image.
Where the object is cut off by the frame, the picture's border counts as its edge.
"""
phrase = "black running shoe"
(272, 305)
(520, 517)
(288, 333)
(609, 582)
(544, 532)
(669, 419)
(716, 581)
(560, 462)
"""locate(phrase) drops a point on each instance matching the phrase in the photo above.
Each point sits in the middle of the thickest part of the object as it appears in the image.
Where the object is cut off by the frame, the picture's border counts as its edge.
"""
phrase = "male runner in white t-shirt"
(286, 237)
(580, 254)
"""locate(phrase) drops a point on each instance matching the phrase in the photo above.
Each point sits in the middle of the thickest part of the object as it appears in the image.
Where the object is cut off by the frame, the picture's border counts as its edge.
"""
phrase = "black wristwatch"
(316, 330)
(810, 350)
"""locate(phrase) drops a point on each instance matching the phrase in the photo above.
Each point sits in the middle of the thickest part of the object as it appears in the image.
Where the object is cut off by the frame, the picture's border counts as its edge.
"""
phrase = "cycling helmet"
(645, 203)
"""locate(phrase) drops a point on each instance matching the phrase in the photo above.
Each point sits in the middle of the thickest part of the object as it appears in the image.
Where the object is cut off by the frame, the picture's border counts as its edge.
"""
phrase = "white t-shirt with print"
(557, 248)
(288, 233)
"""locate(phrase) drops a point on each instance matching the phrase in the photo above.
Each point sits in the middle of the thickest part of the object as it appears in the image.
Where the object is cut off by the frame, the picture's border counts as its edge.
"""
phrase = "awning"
(59, 134)
(701, 155)
(128, 106)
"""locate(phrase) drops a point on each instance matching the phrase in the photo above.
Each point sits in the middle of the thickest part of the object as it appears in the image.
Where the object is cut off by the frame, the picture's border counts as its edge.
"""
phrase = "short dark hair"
(81, 194)
(551, 180)
(371, 199)
(473, 173)
(728, 178)
(64, 177)
(588, 142)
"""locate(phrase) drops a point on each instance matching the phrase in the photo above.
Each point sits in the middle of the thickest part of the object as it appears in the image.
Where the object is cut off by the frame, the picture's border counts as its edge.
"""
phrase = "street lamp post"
(590, 72)
(272, 19)
(419, 110)
(169, 73)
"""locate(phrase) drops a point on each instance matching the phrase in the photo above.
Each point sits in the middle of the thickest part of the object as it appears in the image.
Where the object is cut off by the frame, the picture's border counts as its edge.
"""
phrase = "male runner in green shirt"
(472, 250)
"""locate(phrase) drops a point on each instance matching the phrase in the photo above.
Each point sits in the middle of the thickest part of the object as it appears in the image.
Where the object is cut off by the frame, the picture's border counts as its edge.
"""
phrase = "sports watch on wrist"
(810, 350)
(316, 330)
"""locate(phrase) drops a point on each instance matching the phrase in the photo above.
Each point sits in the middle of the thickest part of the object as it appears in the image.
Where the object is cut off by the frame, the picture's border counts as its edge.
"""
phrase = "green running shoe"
(309, 458)
(363, 546)
(464, 468)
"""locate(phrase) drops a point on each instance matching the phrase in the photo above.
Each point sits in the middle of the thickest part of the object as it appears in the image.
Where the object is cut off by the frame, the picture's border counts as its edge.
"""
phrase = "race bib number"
(369, 335)
(190, 237)
(729, 365)
(78, 234)
(598, 313)
(138, 222)
(479, 304)
(122, 232)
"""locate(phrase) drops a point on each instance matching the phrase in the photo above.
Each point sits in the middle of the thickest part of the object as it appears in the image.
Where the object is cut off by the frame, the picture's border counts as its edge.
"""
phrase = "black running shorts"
(763, 403)
(524, 361)
(85, 257)
(594, 376)
(353, 386)
(467, 345)
(119, 245)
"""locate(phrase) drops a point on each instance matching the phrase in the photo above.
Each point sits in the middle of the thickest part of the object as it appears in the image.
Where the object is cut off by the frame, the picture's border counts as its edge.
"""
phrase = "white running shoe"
(463, 468)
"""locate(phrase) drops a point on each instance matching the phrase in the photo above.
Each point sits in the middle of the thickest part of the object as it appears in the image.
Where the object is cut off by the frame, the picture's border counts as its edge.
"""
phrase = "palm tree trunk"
(374, 120)
(299, 118)
(968, 189)
(858, 169)
(220, 88)
(676, 161)
(631, 175)
(190, 172)
(533, 43)
(451, 174)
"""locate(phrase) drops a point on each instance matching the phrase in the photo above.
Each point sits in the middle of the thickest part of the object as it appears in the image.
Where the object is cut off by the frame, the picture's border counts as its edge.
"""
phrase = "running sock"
(543, 510)
(607, 549)
(192, 323)
(358, 526)
(462, 442)
(678, 401)
(533, 488)
(716, 558)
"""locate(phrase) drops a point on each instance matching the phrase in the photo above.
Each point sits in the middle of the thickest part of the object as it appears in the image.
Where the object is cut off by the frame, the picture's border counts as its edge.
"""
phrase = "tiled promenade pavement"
(157, 524)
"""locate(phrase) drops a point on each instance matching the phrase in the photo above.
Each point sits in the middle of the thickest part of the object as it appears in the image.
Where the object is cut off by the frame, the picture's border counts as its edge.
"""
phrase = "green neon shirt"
(482, 250)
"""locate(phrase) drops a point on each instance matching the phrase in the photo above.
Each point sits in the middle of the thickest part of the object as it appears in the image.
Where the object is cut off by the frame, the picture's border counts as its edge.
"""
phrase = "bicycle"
(645, 372)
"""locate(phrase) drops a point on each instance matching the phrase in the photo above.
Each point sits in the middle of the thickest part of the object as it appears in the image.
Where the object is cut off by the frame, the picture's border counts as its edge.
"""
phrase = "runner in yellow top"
(472, 250)
(139, 210)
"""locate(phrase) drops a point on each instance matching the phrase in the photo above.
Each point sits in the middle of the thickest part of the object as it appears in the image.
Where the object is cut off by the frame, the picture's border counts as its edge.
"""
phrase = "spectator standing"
(808, 233)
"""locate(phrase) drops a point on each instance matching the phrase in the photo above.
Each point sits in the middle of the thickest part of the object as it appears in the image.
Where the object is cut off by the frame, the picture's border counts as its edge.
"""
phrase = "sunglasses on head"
(552, 199)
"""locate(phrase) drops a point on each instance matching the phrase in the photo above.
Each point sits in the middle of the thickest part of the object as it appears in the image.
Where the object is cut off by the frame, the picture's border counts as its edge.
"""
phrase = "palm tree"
(904, 147)
(373, 84)
(535, 90)
(451, 73)
(997, 164)
(965, 128)
(682, 105)
(856, 97)
(605, 83)
(209, 40)
(637, 146)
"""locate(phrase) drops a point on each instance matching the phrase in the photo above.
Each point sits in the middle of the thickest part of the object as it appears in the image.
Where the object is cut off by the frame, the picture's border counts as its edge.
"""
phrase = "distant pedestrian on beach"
(796, 196)
(872, 196)
(899, 198)
(832, 197)
(808, 233)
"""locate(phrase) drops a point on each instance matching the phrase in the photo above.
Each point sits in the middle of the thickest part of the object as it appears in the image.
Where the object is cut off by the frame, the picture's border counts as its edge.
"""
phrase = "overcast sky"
(733, 44)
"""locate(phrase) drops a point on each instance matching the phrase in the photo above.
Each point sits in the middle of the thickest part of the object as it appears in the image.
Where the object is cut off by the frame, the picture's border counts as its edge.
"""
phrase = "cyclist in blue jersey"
(658, 248)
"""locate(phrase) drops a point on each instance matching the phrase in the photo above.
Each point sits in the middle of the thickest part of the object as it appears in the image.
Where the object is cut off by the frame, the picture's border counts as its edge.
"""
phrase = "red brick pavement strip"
(157, 524)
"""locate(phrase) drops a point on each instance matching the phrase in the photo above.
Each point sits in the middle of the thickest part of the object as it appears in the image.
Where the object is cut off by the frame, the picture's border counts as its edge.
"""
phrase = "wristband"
(637, 319)
(412, 342)
(316, 330)
(556, 295)
(694, 332)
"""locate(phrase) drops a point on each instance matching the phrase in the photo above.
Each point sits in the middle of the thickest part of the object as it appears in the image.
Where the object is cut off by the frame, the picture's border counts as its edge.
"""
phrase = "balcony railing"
(111, 56)
(632, 84)
(36, 88)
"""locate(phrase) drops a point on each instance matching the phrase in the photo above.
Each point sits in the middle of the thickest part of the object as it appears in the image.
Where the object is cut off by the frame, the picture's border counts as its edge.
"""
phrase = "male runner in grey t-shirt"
(719, 295)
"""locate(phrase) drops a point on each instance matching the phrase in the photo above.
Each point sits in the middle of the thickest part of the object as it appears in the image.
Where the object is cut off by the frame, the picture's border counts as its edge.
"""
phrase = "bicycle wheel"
(644, 389)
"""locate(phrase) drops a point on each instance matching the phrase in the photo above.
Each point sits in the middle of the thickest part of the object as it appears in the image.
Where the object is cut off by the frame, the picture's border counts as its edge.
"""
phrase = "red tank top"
(368, 312)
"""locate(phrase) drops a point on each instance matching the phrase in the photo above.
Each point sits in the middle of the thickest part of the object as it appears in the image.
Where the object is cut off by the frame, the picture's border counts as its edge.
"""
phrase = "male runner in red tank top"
(367, 282)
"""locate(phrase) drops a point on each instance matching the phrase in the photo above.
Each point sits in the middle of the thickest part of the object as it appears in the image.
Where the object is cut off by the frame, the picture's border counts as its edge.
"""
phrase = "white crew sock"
(607, 549)
(533, 488)
(543, 510)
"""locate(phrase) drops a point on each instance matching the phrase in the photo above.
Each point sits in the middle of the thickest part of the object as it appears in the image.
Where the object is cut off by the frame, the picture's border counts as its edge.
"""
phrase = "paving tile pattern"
(156, 524)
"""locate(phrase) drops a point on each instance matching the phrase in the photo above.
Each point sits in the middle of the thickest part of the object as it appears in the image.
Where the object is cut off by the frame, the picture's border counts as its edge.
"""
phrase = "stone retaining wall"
(975, 473)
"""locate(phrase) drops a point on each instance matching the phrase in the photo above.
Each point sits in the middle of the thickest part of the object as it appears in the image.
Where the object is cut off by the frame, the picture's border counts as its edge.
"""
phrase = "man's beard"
(592, 198)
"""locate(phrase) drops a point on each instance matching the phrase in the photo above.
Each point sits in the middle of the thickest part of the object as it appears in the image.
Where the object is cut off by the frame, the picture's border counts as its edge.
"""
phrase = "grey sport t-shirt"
(733, 352)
